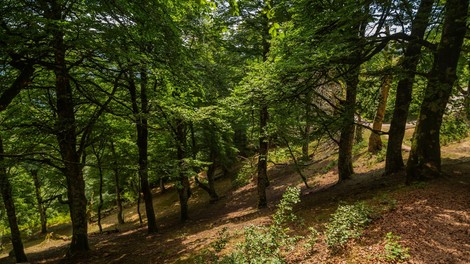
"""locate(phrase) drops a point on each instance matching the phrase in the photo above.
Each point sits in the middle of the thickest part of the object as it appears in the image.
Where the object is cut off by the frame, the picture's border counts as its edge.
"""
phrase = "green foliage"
(453, 128)
(394, 251)
(245, 174)
(330, 166)
(346, 223)
(311, 239)
(262, 244)
(357, 148)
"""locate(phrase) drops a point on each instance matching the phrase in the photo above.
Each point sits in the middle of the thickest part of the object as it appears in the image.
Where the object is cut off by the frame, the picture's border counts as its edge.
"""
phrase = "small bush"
(453, 129)
(262, 244)
(346, 223)
(394, 251)
(245, 174)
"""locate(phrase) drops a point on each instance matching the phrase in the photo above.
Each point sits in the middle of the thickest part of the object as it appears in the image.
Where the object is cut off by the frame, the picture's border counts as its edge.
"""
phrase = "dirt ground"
(432, 218)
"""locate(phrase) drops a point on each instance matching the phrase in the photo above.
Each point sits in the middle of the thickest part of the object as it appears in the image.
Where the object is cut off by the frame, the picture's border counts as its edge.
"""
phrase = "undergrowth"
(346, 223)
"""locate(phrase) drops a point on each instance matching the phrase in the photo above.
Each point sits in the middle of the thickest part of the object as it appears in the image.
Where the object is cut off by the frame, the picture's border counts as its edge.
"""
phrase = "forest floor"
(432, 218)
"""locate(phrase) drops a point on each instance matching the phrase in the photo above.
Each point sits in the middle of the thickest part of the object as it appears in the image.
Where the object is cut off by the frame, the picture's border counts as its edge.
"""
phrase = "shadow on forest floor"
(432, 218)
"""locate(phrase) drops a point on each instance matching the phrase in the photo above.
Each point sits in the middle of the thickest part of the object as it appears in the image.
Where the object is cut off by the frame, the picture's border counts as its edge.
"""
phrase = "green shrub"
(311, 238)
(245, 174)
(394, 251)
(453, 128)
(346, 223)
(262, 244)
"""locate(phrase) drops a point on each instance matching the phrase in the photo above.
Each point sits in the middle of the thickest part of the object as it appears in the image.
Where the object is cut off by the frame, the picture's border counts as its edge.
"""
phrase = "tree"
(394, 159)
(425, 156)
(7, 197)
(375, 142)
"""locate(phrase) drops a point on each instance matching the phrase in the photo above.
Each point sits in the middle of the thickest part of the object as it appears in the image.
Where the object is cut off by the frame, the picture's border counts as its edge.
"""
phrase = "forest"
(234, 131)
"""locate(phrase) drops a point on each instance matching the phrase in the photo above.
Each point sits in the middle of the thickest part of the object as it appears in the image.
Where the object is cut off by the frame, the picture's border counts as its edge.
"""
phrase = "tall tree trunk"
(394, 158)
(184, 191)
(142, 144)
(5, 189)
(263, 158)
(346, 141)
(375, 142)
(345, 167)
(66, 137)
(262, 178)
(425, 155)
(41, 209)
(120, 216)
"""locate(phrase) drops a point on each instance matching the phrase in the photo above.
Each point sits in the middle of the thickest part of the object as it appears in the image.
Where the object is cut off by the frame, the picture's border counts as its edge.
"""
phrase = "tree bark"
(375, 142)
(394, 158)
(142, 144)
(41, 209)
(263, 158)
(425, 155)
(7, 197)
(120, 216)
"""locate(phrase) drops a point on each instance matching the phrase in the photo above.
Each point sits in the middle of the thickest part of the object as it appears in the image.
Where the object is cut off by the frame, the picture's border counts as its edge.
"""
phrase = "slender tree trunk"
(184, 191)
(142, 144)
(162, 185)
(120, 216)
(41, 209)
(346, 141)
(100, 204)
(210, 177)
(345, 166)
(7, 198)
(375, 142)
(394, 158)
(263, 158)
(467, 101)
(66, 137)
(359, 131)
(307, 129)
(425, 155)
(139, 198)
